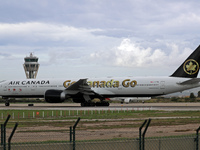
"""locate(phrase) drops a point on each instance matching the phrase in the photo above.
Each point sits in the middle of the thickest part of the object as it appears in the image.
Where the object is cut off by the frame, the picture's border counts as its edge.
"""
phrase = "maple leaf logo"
(191, 67)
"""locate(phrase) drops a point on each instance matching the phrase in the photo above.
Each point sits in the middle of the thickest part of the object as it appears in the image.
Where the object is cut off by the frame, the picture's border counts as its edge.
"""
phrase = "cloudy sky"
(95, 38)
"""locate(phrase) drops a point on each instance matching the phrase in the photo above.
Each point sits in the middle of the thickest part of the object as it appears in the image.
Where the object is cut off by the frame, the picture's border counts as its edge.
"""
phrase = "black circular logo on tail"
(191, 67)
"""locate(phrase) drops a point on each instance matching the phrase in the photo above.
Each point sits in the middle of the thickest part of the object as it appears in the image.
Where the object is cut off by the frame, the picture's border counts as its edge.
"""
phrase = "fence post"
(140, 134)
(4, 132)
(74, 127)
(70, 134)
(143, 135)
(197, 138)
(11, 135)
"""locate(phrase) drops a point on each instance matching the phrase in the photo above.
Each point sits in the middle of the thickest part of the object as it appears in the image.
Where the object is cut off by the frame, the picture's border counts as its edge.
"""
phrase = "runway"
(113, 106)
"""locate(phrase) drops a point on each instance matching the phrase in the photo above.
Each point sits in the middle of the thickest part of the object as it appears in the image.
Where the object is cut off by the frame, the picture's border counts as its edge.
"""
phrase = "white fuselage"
(107, 87)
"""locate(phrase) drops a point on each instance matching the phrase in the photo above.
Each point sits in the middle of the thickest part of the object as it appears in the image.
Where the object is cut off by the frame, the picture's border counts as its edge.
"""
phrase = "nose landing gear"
(7, 103)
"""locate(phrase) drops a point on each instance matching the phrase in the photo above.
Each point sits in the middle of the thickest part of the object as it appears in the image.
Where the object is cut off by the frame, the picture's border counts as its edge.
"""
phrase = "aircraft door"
(162, 84)
(33, 87)
(5, 88)
(120, 87)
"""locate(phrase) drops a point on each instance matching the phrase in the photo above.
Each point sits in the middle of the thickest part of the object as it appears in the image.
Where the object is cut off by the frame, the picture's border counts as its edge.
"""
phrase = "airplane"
(84, 90)
(130, 99)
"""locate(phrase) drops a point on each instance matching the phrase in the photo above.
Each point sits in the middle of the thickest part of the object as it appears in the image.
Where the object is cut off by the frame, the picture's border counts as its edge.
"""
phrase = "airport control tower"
(31, 66)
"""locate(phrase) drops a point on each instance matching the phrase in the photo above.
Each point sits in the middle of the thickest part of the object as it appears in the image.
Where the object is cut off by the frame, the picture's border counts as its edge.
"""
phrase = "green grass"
(31, 118)
(38, 115)
(91, 121)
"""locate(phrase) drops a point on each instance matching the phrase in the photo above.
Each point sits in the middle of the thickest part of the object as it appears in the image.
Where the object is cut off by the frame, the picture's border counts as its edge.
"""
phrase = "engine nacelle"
(54, 96)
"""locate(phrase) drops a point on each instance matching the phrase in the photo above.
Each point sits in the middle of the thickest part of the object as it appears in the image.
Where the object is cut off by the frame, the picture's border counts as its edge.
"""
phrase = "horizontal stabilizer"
(191, 81)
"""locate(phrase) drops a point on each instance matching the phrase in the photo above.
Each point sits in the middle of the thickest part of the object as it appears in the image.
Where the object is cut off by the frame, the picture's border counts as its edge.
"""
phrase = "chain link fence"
(170, 143)
(90, 140)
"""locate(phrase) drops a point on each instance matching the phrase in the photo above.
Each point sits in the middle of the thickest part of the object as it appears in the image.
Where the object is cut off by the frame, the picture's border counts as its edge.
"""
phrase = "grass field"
(29, 118)
(53, 125)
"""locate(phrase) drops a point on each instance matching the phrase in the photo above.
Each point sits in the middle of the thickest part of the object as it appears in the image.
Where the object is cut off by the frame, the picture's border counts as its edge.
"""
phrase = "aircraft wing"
(191, 81)
(83, 88)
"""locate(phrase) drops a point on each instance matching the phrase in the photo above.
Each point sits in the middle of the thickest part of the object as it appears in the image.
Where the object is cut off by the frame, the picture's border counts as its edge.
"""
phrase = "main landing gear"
(103, 103)
(7, 103)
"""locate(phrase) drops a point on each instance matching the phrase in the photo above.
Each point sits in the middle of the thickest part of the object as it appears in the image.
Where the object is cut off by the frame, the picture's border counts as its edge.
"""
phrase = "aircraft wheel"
(87, 104)
(98, 104)
(102, 103)
(7, 104)
(92, 104)
(82, 104)
(106, 104)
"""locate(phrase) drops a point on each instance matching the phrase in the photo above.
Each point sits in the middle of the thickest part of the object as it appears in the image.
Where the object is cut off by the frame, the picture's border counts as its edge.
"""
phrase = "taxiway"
(113, 106)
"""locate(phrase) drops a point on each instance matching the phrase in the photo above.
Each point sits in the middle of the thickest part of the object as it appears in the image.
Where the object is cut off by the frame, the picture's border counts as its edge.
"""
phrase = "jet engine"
(54, 96)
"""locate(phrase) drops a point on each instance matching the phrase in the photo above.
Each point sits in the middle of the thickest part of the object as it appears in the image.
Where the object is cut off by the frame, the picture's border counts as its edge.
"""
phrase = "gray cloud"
(98, 34)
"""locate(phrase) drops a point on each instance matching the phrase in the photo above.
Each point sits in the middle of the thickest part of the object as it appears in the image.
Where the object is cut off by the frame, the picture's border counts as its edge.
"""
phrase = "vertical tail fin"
(190, 67)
